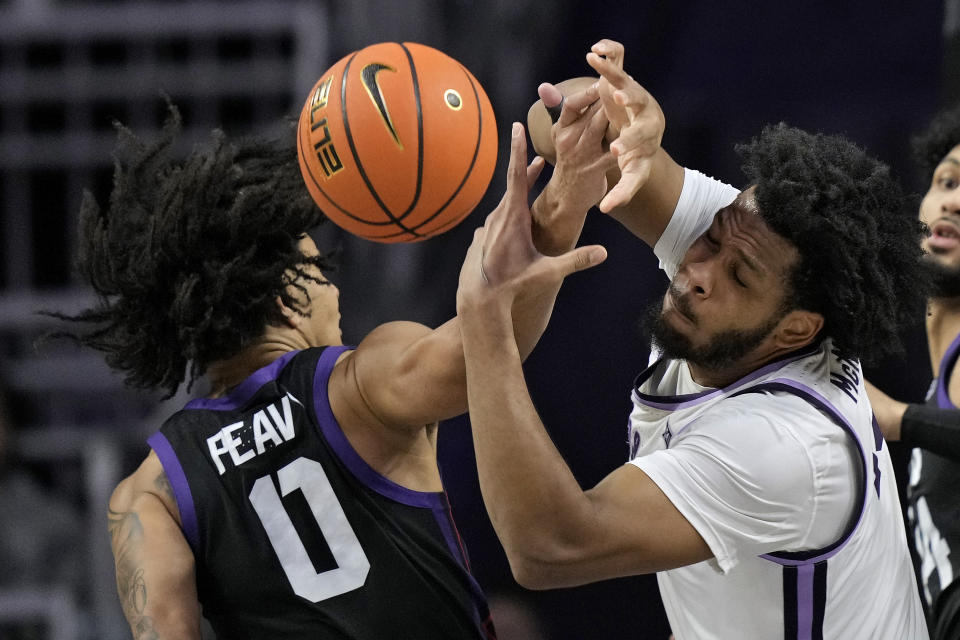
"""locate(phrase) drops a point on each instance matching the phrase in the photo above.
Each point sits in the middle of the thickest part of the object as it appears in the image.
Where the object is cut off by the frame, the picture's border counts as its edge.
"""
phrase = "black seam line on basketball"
(356, 157)
(316, 183)
(473, 160)
(419, 103)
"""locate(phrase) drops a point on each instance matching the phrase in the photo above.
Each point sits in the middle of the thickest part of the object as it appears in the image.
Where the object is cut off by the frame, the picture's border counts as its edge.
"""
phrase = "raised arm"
(155, 571)
(407, 375)
(646, 183)
(917, 425)
(555, 534)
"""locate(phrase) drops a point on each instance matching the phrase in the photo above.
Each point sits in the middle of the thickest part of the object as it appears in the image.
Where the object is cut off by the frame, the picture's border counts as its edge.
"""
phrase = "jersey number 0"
(352, 564)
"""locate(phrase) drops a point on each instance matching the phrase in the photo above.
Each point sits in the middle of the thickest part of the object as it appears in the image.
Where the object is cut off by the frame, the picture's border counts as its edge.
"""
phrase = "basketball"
(397, 142)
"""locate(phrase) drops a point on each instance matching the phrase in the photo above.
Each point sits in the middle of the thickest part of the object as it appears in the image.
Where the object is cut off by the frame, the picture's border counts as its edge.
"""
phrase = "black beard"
(723, 350)
(944, 280)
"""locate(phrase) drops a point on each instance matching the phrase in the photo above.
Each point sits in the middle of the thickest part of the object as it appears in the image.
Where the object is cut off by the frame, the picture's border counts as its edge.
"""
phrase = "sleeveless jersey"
(934, 500)
(768, 585)
(294, 535)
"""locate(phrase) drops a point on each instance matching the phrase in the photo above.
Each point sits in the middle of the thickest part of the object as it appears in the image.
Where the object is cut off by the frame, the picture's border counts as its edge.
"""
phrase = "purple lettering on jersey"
(634, 445)
(876, 473)
(848, 378)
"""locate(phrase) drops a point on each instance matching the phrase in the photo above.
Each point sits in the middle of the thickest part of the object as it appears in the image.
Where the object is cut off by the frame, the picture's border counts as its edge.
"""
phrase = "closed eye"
(737, 279)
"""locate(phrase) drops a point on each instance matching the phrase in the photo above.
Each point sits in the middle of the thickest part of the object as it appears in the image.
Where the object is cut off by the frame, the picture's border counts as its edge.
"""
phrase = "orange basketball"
(397, 142)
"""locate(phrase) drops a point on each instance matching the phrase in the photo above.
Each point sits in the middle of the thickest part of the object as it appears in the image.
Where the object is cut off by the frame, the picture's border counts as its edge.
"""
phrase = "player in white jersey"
(758, 485)
(802, 422)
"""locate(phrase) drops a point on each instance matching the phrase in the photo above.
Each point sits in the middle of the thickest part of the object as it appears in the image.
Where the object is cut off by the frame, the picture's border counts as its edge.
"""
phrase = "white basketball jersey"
(719, 454)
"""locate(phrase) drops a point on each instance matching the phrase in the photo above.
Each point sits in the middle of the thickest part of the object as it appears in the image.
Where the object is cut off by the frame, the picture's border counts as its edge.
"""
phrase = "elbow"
(538, 567)
(530, 575)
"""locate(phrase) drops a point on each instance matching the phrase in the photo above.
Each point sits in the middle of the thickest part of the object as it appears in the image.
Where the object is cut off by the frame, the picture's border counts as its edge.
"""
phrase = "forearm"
(931, 428)
(650, 210)
(399, 357)
(535, 503)
(556, 225)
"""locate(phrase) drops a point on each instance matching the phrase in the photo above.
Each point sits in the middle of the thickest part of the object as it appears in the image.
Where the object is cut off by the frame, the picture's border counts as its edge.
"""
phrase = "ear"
(798, 328)
(291, 317)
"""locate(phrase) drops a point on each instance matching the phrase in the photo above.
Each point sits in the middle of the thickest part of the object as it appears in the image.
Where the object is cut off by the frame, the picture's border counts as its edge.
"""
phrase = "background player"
(933, 429)
(300, 496)
(757, 484)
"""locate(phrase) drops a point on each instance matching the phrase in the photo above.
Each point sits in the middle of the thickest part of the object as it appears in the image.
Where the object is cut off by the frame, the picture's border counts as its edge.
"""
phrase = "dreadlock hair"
(190, 256)
(932, 145)
(857, 236)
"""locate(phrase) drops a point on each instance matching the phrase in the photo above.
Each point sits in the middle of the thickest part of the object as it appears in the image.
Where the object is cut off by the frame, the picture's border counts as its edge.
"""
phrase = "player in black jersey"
(933, 429)
(300, 497)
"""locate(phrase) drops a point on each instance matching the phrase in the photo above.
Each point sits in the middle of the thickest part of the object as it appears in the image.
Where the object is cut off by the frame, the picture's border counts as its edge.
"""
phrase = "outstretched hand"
(582, 161)
(502, 262)
(635, 114)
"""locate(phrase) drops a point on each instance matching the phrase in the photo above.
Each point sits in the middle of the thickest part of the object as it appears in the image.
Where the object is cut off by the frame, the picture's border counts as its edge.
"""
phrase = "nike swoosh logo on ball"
(369, 76)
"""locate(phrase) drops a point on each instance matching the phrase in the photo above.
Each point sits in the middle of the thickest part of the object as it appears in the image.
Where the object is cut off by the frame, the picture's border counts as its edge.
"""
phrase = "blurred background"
(69, 430)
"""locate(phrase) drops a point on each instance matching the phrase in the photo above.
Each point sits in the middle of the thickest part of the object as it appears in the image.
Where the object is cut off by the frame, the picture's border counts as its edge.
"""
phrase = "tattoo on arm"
(162, 483)
(126, 538)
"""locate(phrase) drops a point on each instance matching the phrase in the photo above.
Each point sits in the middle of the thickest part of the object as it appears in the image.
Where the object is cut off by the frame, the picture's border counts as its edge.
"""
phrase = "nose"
(951, 202)
(699, 278)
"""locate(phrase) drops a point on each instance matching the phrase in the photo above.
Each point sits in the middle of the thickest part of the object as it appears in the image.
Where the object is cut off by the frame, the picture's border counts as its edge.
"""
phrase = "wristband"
(932, 428)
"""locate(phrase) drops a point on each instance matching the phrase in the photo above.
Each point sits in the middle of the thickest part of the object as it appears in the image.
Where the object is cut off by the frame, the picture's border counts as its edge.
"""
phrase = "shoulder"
(378, 352)
(389, 334)
(768, 437)
(148, 481)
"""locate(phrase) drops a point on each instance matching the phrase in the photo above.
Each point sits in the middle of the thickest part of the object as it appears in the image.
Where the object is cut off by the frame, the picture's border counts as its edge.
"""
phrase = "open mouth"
(944, 236)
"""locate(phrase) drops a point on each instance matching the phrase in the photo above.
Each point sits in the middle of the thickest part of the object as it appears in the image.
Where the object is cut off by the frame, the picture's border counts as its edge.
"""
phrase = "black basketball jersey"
(294, 535)
(934, 500)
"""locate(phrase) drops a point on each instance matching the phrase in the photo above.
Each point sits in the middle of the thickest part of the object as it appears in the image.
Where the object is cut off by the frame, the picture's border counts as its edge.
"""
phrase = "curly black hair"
(932, 145)
(856, 232)
(191, 254)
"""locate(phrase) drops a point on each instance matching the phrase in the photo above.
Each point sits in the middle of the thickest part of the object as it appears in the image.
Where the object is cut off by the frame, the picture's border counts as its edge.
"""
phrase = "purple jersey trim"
(181, 490)
(444, 519)
(672, 403)
(246, 389)
(797, 558)
(332, 432)
(946, 366)
(804, 601)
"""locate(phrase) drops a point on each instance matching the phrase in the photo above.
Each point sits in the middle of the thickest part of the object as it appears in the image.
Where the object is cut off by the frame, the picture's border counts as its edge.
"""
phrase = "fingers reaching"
(610, 49)
(635, 119)
(517, 184)
(574, 105)
(610, 71)
(550, 95)
(533, 171)
(625, 189)
(579, 259)
(552, 100)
